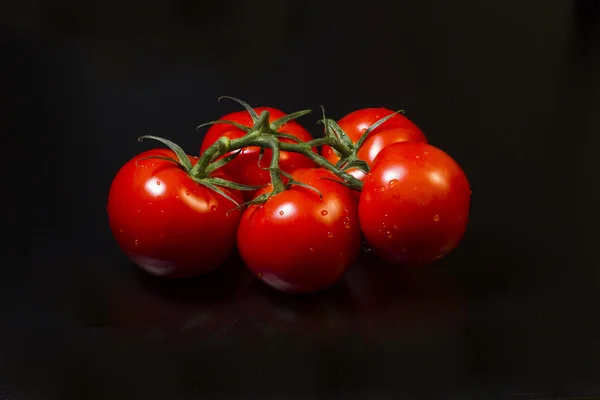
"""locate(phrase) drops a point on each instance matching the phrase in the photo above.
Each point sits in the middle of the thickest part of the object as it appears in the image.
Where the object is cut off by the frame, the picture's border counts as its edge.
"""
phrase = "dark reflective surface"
(510, 89)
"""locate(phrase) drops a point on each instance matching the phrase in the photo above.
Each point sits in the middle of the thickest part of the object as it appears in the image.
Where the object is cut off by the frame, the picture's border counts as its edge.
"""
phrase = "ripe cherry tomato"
(397, 129)
(244, 168)
(355, 123)
(296, 242)
(414, 206)
(165, 222)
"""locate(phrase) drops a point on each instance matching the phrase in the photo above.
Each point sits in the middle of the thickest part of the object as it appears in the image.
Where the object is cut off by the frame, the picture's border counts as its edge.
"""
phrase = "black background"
(511, 89)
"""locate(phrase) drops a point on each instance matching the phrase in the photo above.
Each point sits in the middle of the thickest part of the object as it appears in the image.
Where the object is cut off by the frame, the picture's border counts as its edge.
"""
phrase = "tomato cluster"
(296, 216)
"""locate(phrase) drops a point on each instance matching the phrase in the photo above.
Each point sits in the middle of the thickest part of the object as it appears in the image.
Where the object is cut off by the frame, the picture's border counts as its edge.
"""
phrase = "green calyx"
(350, 159)
(183, 161)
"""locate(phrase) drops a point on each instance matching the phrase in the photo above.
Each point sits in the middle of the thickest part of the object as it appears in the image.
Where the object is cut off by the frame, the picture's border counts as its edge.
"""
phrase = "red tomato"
(397, 129)
(414, 206)
(296, 242)
(244, 168)
(166, 223)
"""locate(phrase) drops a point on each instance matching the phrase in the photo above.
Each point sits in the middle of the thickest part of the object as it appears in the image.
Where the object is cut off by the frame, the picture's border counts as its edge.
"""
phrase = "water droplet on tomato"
(330, 234)
(213, 208)
(281, 212)
(324, 212)
(136, 242)
(396, 227)
(436, 218)
(364, 130)
(383, 225)
(346, 225)
(393, 183)
(158, 183)
(162, 211)
(389, 234)
(366, 247)
(260, 275)
(177, 196)
(312, 249)
(426, 153)
(121, 230)
(139, 211)
(417, 157)
(187, 192)
(382, 189)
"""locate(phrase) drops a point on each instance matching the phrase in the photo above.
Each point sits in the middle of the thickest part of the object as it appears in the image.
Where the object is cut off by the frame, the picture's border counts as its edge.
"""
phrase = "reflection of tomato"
(297, 242)
(414, 205)
(318, 315)
(168, 224)
(397, 129)
(244, 168)
(391, 302)
(196, 308)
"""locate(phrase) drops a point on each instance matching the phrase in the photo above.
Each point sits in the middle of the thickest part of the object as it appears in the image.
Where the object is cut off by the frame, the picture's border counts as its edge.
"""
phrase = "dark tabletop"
(511, 89)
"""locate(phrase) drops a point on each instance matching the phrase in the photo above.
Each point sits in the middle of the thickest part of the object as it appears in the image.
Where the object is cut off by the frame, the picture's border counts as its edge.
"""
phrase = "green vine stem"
(266, 135)
(278, 185)
(261, 135)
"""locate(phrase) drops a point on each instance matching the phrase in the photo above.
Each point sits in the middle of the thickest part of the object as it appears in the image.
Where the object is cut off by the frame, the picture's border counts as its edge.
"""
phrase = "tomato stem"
(323, 162)
(265, 140)
(221, 146)
(276, 180)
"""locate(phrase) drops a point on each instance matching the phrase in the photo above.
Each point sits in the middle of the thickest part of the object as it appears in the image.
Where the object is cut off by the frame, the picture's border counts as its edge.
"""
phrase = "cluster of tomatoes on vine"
(298, 216)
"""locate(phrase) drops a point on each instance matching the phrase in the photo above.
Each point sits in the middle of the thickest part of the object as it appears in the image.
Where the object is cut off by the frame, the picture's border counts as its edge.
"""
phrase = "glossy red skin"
(414, 206)
(244, 168)
(166, 223)
(296, 242)
(355, 123)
